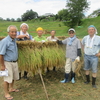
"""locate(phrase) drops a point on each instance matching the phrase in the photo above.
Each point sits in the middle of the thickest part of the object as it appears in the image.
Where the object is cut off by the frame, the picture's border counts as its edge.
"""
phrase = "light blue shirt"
(8, 49)
(95, 48)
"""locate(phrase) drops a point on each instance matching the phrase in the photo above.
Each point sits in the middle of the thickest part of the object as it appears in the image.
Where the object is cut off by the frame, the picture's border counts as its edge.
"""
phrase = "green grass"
(32, 89)
(60, 30)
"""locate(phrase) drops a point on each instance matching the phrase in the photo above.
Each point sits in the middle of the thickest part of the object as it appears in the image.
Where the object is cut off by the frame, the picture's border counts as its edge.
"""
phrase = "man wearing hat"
(73, 53)
(91, 46)
(39, 37)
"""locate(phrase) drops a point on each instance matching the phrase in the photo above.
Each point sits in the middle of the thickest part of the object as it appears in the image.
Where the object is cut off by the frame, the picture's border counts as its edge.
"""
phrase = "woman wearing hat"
(23, 35)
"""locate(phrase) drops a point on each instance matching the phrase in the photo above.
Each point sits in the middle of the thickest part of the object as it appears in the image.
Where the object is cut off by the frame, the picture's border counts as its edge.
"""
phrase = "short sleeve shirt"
(95, 48)
(71, 51)
(39, 39)
(52, 39)
(8, 48)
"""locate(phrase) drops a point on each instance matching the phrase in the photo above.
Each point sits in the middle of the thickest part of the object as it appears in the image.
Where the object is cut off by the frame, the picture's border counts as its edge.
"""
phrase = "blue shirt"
(95, 48)
(8, 49)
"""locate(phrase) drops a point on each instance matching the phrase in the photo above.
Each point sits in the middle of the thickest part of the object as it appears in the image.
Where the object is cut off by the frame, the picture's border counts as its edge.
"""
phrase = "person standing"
(52, 37)
(40, 37)
(8, 60)
(23, 35)
(91, 47)
(73, 53)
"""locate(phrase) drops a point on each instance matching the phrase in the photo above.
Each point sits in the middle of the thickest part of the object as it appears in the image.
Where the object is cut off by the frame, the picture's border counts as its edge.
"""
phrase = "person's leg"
(87, 68)
(87, 73)
(6, 90)
(94, 63)
(7, 80)
(15, 77)
(11, 86)
(67, 70)
(25, 75)
(74, 64)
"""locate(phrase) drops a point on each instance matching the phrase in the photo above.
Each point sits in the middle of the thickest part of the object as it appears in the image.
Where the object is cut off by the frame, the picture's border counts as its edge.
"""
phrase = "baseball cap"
(71, 29)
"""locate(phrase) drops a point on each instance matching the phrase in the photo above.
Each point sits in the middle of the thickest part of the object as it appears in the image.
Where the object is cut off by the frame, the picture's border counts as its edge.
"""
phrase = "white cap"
(24, 24)
(71, 29)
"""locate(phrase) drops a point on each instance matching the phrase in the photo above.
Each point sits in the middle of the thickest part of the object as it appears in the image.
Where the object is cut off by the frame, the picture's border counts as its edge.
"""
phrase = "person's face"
(13, 32)
(52, 33)
(24, 28)
(71, 33)
(91, 31)
(40, 32)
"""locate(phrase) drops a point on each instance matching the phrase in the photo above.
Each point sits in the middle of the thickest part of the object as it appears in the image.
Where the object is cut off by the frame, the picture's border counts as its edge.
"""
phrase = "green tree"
(8, 19)
(29, 15)
(95, 13)
(63, 14)
(12, 19)
(18, 20)
(76, 9)
(1, 19)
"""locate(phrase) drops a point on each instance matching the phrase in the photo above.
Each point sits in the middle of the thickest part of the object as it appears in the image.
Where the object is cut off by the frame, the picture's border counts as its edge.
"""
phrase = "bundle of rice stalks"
(37, 55)
(2, 37)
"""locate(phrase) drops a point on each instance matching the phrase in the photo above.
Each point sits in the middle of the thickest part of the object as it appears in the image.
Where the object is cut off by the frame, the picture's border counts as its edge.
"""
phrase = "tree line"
(71, 16)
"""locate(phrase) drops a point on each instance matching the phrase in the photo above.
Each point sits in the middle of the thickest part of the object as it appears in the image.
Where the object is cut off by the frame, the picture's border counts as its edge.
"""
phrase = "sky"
(16, 8)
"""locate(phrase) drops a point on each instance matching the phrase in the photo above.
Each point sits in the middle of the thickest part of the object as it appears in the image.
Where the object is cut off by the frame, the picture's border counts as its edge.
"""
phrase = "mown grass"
(32, 89)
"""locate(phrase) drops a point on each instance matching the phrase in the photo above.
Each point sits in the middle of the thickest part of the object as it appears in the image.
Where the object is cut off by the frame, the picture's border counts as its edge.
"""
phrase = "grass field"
(61, 30)
(32, 89)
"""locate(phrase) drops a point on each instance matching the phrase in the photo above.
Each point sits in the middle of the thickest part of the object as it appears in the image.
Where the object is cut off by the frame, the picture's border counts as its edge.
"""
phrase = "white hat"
(24, 24)
(71, 29)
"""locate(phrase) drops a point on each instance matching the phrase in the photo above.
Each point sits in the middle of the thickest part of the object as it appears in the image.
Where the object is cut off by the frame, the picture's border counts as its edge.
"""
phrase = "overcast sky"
(15, 8)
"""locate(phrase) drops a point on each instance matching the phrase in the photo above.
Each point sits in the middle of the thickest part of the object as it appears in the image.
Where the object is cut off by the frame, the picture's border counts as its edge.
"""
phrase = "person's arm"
(59, 42)
(22, 36)
(79, 52)
(2, 63)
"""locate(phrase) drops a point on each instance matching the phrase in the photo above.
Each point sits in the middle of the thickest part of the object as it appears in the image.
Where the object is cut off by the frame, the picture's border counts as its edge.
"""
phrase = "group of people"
(90, 45)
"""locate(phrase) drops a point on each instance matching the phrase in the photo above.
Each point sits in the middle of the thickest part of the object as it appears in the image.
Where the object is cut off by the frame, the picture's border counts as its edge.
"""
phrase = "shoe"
(86, 82)
(73, 80)
(64, 81)
(94, 86)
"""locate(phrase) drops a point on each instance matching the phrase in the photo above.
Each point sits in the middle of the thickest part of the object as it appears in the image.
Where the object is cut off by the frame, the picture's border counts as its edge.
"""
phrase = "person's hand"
(43, 41)
(27, 36)
(77, 59)
(98, 54)
(3, 68)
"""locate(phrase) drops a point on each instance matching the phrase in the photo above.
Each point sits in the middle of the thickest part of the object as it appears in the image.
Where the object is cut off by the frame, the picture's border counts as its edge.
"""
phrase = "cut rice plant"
(36, 55)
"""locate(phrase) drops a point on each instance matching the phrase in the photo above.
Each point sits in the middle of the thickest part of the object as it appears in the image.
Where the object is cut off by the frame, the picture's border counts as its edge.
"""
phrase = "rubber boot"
(66, 78)
(25, 74)
(54, 68)
(87, 79)
(73, 77)
(19, 75)
(93, 82)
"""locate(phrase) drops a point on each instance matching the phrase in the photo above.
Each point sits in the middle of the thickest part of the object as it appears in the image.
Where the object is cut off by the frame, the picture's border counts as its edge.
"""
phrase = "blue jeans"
(90, 62)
